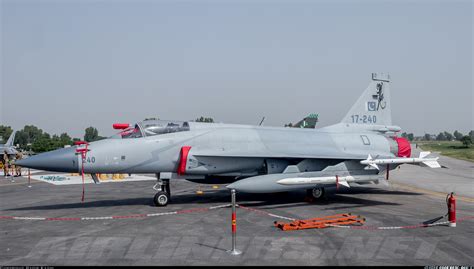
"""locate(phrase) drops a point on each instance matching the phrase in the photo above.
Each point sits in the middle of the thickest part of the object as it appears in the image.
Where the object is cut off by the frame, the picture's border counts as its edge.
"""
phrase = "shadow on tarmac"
(342, 199)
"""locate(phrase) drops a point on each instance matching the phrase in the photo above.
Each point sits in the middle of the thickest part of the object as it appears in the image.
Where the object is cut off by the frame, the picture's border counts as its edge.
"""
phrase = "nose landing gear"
(163, 196)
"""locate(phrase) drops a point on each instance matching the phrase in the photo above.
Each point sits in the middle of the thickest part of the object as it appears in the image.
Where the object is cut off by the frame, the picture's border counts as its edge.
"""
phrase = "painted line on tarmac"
(399, 227)
(135, 216)
(18, 183)
(434, 193)
(258, 211)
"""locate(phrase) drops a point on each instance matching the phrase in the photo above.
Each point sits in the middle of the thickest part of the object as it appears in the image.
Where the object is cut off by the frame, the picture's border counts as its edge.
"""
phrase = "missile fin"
(291, 169)
(432, 163)
(373, 165)
(344, 183)
(423, 154)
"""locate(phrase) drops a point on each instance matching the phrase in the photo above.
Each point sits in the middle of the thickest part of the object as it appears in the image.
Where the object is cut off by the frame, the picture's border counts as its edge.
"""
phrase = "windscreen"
(131, 132)
(151, 128)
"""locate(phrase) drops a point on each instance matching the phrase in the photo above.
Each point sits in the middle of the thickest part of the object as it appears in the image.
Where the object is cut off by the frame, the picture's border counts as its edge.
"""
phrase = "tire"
(161, 198)
(317, 193)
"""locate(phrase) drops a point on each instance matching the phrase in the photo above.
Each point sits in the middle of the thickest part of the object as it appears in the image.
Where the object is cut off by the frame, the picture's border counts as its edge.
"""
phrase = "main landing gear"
(163, 196)
(317, 193)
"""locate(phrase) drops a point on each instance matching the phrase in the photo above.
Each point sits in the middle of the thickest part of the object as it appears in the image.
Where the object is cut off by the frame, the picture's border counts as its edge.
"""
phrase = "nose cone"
(60, 160)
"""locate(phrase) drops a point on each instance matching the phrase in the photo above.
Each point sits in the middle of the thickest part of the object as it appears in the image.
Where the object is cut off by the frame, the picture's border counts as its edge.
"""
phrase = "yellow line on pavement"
(6, 184)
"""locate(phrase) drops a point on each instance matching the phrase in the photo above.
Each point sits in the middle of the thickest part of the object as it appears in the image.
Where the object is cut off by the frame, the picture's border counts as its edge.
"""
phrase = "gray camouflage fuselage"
(254, 156)
(223, 149)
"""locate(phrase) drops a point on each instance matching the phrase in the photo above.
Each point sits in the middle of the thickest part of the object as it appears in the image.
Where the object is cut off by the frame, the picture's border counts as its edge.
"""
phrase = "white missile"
(343, 180)
(430, 162)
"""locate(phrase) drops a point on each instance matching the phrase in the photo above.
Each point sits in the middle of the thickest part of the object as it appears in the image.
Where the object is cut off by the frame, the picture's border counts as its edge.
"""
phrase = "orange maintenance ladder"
(322, 222)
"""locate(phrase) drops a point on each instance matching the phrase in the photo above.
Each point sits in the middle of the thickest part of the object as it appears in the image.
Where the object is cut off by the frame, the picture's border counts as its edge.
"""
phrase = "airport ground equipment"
(451, 214)
(321, 222)
(451, 202)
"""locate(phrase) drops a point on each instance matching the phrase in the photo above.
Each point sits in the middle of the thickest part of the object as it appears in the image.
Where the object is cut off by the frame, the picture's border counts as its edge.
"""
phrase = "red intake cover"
(404, 148)
(183, 158)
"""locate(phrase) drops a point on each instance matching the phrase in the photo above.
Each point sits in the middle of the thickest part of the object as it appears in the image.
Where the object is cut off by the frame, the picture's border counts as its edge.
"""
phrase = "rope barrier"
(197, 210)
(135, 216)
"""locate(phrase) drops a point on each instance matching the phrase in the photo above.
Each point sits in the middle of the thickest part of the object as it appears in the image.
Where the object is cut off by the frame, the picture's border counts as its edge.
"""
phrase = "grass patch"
(453, 149)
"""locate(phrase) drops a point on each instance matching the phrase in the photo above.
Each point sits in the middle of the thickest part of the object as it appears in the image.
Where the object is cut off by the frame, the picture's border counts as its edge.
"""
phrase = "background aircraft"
(361, 149)
(308, 122)
(8, 146)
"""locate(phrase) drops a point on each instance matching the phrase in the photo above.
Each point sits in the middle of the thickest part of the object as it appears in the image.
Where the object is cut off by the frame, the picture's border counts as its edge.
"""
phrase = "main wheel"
(316, 193)
(161, 198)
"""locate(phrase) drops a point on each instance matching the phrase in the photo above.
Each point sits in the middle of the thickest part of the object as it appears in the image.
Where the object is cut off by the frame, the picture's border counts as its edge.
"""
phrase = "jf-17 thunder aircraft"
(8, 147)
(361, 149)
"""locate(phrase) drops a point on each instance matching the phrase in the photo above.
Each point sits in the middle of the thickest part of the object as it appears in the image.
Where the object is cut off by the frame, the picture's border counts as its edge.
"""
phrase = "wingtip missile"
(422, 159)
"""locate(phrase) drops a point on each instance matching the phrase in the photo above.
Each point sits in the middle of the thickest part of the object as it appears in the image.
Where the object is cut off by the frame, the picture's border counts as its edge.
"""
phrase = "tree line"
(32, 138)
(444, 136)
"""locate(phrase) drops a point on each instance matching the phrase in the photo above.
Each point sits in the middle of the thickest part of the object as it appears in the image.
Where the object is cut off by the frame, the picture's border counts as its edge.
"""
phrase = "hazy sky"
(67, 65)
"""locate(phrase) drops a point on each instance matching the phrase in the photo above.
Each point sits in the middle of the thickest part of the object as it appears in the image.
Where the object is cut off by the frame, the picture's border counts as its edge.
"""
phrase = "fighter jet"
(361, 149)
(8, 146)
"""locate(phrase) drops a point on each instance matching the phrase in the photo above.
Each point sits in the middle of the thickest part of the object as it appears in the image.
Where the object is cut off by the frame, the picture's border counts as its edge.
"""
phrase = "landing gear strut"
(163, 196)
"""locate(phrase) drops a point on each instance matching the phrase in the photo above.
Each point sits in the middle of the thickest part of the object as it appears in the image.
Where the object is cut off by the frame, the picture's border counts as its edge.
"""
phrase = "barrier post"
(234, 250)
(83, 157)
(82, 152)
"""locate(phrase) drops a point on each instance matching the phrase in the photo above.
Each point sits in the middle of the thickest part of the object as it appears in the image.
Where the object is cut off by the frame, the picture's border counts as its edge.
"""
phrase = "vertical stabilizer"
(11, 140)
(373, 106)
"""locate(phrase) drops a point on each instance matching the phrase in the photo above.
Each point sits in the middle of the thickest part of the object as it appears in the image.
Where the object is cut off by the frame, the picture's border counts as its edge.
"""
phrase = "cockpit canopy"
(152, 128)
(157, 127)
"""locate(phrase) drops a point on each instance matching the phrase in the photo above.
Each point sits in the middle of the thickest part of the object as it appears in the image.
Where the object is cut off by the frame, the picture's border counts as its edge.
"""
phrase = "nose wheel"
(163, 196)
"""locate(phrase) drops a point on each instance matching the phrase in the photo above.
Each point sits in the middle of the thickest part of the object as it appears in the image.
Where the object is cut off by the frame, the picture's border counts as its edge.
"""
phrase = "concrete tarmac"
(455, 176)
(196, 236)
